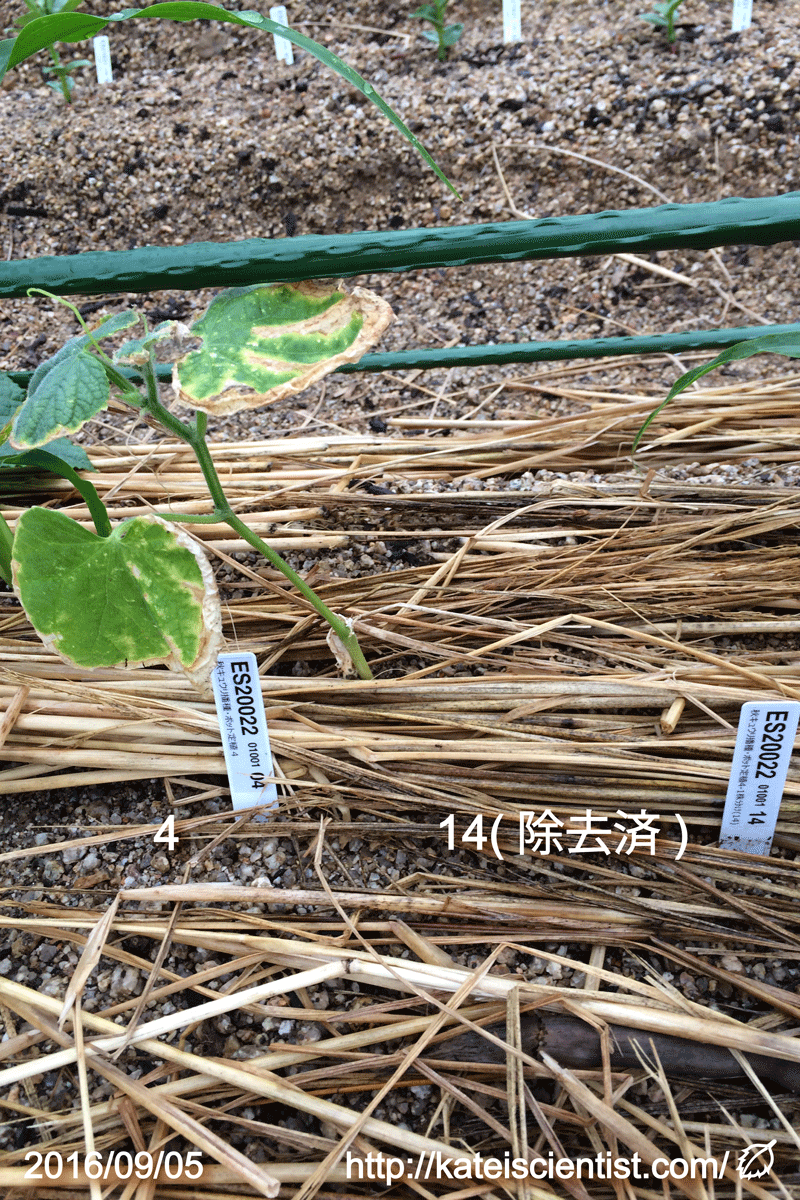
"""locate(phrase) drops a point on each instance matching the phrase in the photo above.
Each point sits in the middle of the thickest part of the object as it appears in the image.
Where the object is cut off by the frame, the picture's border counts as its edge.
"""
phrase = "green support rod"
(522, 352)
(762, 222)
(526, 352)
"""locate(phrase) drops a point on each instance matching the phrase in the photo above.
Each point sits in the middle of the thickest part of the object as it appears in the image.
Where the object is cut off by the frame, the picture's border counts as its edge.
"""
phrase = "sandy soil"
(204, 135)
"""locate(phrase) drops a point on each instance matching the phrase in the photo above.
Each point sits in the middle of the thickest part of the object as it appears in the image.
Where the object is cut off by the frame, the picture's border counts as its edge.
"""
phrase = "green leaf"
(63, 449)
(451, 34)
(81, 341)
(114, 323)
(6, 47)
(261, 344)
(654, 18)
(430, 35)
(771, 343)
(426, 12)
(11, 399)
(143, 595)
(73, 391)
(6, 542)
(136, 352)
(77, 27)
(11, 396)
(67, 389)
(71, 347)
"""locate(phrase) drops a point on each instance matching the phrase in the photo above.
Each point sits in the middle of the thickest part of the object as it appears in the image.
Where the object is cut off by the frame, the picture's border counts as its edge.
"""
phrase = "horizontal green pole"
(762, 222)
(525, 352)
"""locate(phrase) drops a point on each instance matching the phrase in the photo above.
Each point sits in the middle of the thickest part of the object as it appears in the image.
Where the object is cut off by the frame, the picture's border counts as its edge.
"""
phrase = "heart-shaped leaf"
(261, 344)
(67, 389)
(72, 392)
(145, 594)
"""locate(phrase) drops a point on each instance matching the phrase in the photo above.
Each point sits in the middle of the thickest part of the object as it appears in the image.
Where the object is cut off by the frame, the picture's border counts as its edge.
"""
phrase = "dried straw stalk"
(602, 638)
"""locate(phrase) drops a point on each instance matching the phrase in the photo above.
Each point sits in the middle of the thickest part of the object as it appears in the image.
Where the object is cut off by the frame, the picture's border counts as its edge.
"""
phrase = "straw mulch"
(583, 645)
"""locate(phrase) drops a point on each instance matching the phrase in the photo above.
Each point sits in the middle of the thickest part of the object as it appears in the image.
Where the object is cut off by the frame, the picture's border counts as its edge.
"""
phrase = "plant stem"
(338, 624)
(97, 510)
(61, 72)
(193, 435)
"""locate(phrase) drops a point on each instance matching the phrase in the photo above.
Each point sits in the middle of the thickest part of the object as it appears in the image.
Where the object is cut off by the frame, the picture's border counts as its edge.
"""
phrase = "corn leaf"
(77, 27)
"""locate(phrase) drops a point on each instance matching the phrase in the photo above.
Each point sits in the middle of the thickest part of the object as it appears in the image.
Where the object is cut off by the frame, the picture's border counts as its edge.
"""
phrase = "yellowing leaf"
(262, 344)
(145, 594)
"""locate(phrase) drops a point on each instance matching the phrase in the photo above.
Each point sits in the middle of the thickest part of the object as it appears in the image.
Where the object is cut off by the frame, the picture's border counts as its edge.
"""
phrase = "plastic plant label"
(742, 15)
(145, 594)
(245, 740)
(266, 343)
(283, 47)
(761, 757)
(102, 59)
(512, 21)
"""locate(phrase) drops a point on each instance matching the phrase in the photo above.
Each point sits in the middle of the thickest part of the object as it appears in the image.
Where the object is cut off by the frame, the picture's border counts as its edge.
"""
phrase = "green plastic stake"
(731, 222)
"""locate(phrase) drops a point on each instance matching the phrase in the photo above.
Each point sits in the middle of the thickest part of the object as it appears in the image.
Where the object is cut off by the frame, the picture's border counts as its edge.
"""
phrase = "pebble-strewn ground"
(204, 136)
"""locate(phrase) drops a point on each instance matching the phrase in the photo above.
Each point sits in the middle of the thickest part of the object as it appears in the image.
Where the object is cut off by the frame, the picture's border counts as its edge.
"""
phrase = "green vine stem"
(194, 436)
(49, 462)
(61, 73)
(97, 510)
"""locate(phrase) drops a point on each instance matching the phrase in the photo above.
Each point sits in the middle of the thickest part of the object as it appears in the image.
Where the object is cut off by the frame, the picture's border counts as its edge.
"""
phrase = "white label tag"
(283, 47)
(102, 59)
(512, 21)
(742, 15)
(761, 757)
(240, 709)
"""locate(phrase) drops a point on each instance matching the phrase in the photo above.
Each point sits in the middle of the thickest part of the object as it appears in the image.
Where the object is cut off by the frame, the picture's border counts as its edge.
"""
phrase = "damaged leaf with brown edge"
(261, 344)
(144, 594)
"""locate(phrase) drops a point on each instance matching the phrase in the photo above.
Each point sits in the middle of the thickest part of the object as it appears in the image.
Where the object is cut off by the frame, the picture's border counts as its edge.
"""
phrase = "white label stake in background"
(283, 47)
(761, 757)
(742, 15)
(102, 59)
(240, 709)
(512, 21)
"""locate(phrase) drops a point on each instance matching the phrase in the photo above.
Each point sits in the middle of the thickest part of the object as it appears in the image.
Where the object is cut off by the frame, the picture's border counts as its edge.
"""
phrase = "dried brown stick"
(575, 1044)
